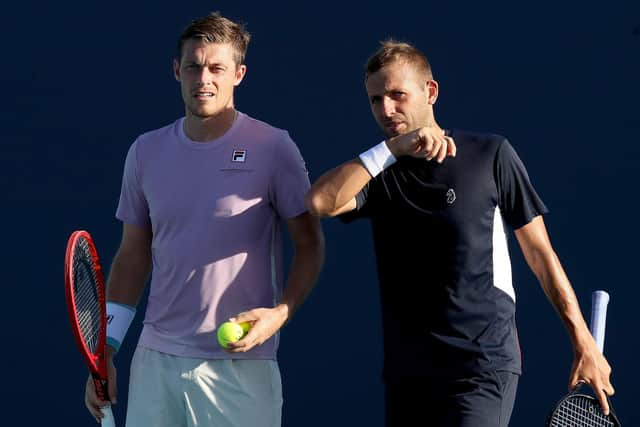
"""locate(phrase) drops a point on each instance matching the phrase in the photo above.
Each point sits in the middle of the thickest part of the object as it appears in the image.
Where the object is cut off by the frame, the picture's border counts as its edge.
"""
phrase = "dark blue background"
(81, 80)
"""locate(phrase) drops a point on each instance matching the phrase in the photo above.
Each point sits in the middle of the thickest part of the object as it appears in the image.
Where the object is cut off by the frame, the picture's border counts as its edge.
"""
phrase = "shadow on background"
(81, 81)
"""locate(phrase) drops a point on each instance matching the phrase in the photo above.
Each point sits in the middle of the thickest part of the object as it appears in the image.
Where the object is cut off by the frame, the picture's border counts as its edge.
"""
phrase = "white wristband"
(119, 317)
(377, 159)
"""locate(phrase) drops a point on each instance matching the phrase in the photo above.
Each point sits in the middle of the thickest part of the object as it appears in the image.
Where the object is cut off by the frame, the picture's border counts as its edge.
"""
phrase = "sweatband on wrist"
(119, 317)
(377, 159)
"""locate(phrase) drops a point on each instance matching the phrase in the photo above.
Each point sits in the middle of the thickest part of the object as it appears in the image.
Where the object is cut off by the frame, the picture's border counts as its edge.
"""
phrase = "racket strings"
(86, 297)
(579, 411)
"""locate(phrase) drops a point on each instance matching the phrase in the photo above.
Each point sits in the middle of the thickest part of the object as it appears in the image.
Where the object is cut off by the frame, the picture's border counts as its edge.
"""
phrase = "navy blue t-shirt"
(448, 302)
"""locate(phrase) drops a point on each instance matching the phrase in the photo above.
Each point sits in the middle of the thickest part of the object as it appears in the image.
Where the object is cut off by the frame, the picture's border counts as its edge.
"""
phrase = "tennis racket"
(577, 409)
(85, 292)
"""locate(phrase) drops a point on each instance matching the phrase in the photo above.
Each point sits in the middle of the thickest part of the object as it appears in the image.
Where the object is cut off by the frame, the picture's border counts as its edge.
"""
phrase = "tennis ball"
(245, 327)
(230, 332)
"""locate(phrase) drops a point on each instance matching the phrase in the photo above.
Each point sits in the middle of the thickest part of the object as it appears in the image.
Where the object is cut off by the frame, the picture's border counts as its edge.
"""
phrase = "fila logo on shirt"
(239, 156)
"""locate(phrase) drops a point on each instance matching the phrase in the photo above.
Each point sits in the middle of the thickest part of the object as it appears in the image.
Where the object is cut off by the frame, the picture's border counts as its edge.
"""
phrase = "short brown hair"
(391, 51)
(215, 28)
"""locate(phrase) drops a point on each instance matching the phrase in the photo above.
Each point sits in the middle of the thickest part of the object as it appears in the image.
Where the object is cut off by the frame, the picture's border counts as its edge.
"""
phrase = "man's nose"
(205, 76)
(388, 107)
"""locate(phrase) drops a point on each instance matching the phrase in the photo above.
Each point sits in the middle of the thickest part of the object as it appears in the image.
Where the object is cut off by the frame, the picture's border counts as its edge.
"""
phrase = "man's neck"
(431, 123)
(203, 129)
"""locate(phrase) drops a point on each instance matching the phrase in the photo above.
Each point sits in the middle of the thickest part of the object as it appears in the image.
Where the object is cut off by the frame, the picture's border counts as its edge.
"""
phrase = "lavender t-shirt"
(215, 209)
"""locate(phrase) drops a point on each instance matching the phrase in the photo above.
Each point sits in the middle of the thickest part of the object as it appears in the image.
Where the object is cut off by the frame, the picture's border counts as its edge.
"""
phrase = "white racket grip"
(599, 301)
(107, 420)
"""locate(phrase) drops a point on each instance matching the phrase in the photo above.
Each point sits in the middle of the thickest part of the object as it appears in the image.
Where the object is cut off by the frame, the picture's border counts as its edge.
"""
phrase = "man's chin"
(395, 130)
(204, 113)
(390, 133)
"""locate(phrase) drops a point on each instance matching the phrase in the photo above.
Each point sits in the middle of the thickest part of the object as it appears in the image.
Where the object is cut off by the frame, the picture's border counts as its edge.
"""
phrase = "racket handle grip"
(599, 301)
(107, 420)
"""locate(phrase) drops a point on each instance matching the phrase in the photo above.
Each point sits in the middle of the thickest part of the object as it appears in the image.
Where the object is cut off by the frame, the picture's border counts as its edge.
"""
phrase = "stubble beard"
(392, 133)
(203, 112)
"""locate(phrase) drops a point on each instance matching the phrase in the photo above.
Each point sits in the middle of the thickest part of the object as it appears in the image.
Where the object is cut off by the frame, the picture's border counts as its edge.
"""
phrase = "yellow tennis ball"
(230, 332)
(245, 327)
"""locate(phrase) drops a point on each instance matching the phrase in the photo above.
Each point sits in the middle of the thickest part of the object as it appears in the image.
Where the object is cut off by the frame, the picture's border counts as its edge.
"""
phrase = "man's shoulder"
(261, 131)
(161, 133)
(473, 137)
(263, 137)
(482, 144)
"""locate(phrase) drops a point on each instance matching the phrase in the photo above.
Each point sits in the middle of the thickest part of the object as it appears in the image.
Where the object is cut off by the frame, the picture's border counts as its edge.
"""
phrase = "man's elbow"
(316, 205)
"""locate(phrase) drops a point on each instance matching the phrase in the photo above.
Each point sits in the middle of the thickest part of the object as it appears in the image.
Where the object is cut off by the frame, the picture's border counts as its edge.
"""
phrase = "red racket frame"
(95, 361)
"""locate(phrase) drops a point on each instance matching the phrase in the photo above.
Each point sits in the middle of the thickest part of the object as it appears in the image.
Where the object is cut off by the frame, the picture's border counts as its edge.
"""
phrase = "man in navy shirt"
(439, 229)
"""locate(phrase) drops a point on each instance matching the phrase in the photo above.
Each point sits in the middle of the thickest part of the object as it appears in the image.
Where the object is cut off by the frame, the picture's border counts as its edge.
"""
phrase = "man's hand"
(91, 399)
(590, 366)
(423, 143)
(264, 323)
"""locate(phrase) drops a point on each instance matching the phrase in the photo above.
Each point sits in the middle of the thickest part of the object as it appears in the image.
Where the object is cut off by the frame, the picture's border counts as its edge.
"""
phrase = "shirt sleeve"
(517, 199)
(363, 205)
(290, 179)
(132, 207)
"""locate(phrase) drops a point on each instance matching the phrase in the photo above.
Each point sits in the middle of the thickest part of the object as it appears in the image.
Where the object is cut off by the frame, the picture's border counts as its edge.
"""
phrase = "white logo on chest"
(239, 156)
(451, 196)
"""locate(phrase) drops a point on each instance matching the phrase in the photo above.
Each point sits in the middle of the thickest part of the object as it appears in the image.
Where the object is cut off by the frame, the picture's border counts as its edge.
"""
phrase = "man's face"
(207, 74)
(401, 99)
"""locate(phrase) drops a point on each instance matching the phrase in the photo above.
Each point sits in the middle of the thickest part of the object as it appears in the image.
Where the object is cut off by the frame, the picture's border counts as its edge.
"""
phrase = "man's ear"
(176, 69)
(432, 91)
(241, 71)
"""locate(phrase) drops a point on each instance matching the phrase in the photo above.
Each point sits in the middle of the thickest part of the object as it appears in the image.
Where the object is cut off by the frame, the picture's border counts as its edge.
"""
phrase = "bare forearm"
(336, 188)
(128, 277)
(589, 364)
(559, 291)
(303, 274)
(544, 263)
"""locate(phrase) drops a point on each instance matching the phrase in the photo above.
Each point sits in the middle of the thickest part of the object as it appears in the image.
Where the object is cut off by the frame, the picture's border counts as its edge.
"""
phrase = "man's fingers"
(442, 153)
(575, 382)
(434, 149)
(245, 316)
(602, 398)
(91, 400)
(94, 409)
(427, 143)
(610, 390)
(244, 345)
(607, 387)
(451, 146)
(112, 392)
(437, 147)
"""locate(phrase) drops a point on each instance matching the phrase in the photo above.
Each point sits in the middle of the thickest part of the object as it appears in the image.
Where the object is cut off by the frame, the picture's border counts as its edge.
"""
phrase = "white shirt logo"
(239, 156)
(451, 196)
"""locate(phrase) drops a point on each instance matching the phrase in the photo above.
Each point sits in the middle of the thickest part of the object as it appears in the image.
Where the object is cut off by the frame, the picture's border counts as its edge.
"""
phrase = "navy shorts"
(484, 400)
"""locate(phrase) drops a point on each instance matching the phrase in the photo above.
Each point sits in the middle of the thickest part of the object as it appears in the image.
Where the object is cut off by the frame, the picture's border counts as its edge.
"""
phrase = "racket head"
(86, 306)
(581, 410)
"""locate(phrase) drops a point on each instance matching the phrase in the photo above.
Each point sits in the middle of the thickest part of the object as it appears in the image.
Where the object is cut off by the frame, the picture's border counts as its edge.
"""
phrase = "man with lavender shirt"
(202, 204)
